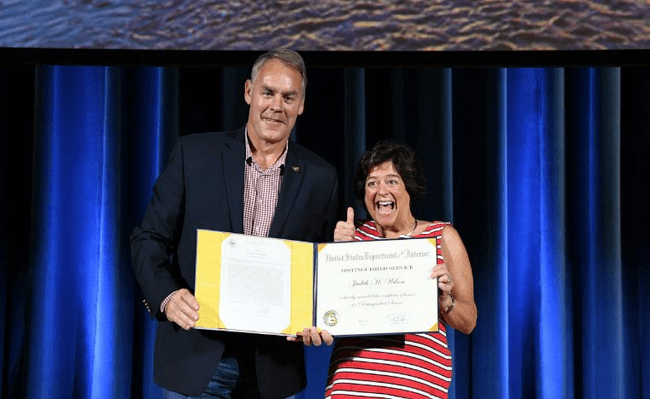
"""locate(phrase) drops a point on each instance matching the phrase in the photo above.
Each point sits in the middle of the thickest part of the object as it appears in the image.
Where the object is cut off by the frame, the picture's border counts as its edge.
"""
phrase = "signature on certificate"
(398, 318)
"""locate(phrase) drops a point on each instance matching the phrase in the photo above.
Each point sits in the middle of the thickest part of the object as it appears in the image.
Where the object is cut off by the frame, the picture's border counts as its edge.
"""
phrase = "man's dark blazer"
(203, 187)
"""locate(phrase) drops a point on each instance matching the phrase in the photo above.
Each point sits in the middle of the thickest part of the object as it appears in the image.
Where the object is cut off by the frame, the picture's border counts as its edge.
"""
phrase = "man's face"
(276, 100)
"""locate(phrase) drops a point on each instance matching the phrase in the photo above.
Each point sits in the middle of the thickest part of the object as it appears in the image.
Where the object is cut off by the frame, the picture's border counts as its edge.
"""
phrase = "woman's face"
(386, 198)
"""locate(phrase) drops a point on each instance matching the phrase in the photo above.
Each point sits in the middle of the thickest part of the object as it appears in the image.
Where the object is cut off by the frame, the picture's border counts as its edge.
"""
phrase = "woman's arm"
(462, 316)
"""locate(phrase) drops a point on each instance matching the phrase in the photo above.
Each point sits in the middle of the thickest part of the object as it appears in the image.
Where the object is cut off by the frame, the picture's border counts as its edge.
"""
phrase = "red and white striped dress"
(410, 366)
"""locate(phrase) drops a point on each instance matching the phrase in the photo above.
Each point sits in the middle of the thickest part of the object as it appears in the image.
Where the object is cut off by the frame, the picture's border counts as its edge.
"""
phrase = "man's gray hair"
(289, 57)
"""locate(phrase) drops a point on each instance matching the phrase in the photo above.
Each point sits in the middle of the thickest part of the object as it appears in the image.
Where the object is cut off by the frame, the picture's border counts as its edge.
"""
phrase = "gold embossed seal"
(331, 318)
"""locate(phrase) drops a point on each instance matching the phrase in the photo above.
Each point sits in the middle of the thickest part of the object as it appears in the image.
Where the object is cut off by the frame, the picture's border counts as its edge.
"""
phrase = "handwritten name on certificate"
(377, 287)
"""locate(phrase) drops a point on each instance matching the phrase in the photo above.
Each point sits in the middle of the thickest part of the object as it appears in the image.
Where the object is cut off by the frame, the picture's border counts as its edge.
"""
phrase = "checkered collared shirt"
(261, 191)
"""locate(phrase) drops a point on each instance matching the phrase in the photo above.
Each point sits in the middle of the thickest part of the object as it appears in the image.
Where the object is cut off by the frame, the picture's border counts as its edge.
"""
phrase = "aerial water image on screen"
(315, 25)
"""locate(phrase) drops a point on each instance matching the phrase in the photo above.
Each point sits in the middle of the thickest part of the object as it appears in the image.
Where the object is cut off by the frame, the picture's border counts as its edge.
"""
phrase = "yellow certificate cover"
(254, 284)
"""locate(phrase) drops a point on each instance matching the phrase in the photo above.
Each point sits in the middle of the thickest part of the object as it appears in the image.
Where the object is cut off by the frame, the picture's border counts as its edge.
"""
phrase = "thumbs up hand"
(344, 230)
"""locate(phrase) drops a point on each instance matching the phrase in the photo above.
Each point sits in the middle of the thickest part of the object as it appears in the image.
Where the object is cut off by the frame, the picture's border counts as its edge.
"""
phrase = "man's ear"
(247, 91)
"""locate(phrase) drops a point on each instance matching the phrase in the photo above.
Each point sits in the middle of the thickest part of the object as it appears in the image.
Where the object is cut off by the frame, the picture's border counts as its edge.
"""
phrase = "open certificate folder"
(273, 286)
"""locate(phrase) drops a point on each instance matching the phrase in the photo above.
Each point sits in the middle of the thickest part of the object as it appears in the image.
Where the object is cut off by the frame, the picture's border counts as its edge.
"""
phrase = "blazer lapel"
(294, 173)
(233, 177)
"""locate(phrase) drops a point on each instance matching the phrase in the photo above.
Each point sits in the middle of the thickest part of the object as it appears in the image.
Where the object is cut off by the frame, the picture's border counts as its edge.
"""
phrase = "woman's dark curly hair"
(405, 162)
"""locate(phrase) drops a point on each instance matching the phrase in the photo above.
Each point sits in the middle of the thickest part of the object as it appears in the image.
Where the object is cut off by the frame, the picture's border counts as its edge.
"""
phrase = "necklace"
(413, 229)
(381, 231)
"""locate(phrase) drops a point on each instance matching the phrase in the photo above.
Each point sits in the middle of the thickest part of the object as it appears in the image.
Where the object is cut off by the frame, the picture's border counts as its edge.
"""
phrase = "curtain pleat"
(595, 230)
(479, 99)
(541, 170)
(537, 273)
(150, 128)
(555, 365)
(74, 235)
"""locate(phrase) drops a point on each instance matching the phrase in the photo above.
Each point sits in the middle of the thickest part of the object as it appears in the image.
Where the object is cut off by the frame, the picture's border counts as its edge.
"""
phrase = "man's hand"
(182, 309)
(344, 231)
(311, 336)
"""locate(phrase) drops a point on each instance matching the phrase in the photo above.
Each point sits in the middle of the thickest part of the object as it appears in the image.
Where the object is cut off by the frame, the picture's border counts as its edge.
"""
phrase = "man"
(251, 181)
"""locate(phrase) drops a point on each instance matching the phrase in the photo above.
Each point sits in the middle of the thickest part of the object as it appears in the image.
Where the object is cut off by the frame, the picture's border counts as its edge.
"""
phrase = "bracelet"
(453, 301)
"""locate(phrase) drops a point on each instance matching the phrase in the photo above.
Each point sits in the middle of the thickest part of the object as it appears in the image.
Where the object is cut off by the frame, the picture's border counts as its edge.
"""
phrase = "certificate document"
(377, 287)
(273, 286)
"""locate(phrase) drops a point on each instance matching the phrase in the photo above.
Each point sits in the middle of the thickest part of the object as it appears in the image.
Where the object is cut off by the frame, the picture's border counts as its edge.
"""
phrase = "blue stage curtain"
(541, 170)
(88, 163)
(534, 294)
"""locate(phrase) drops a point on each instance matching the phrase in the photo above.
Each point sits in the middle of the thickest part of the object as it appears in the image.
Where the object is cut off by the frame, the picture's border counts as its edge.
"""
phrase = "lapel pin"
(295, 168)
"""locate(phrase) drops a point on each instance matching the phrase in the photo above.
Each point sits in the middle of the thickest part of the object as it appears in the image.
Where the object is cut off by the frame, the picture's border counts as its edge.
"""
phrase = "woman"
(388, 179)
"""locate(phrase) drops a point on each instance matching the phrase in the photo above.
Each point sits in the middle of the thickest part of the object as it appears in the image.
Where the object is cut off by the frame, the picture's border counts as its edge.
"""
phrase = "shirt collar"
(249, 154)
